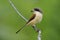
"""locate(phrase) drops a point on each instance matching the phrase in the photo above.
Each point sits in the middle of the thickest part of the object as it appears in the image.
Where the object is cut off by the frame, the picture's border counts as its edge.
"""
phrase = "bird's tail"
(20, 28)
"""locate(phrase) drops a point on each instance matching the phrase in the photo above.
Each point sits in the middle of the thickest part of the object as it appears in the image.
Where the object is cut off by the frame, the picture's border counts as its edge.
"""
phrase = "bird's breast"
(38, 17)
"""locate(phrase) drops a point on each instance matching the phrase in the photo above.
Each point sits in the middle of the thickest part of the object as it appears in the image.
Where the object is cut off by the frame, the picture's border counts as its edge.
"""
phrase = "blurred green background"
(10, 21)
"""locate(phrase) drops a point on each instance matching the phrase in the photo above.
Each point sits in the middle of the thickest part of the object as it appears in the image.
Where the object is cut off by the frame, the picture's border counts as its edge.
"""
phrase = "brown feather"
(32, 17)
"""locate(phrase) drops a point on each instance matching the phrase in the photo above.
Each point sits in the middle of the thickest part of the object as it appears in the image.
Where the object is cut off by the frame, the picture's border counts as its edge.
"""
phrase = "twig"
(39, 35)
(39, 32)
(17, 10)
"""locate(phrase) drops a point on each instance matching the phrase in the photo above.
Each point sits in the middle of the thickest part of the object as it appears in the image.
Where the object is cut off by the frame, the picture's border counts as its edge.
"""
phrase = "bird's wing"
(31, 18)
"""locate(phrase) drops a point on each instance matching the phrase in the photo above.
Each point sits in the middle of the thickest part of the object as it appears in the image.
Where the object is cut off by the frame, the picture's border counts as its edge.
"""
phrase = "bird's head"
(36, 10)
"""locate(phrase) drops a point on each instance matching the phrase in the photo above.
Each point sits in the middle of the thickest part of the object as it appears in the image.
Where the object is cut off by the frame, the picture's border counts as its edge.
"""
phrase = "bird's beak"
(32, 11)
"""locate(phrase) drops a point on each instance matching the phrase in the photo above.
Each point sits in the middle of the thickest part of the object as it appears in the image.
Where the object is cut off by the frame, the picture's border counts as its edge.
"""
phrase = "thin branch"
(39, 35)
(17, 10)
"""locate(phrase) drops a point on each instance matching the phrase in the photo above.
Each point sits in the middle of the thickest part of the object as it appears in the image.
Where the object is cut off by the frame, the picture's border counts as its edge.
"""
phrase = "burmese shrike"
(35, 18)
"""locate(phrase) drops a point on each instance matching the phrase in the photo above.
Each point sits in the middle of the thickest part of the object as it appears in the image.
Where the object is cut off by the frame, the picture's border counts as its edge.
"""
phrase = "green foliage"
(10, 21)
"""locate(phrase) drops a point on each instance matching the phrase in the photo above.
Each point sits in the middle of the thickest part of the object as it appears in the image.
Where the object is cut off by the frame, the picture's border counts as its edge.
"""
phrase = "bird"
(34, 19)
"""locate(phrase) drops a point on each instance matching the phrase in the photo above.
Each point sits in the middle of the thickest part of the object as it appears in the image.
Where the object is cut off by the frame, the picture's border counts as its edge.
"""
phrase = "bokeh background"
(10, 21)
